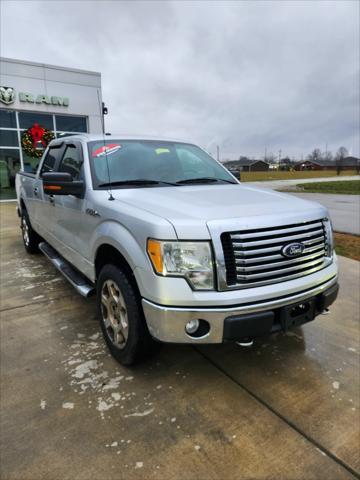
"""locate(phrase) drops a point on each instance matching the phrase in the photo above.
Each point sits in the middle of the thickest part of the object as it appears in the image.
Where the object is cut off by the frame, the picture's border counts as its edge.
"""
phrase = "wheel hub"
(114, 313)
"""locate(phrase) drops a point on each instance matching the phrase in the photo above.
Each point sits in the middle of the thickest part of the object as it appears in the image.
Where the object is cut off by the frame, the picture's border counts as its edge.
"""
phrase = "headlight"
(329, 238)
(191, 260)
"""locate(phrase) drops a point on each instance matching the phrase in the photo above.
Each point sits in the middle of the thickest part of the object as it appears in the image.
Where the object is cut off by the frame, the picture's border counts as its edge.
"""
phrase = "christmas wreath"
(35, 139)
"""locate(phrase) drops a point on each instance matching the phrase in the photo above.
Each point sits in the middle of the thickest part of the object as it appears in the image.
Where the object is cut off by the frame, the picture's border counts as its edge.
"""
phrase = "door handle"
(36, 190)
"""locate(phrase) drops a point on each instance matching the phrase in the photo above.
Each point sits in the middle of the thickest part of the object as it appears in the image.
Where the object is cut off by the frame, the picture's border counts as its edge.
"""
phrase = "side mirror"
(61, 183)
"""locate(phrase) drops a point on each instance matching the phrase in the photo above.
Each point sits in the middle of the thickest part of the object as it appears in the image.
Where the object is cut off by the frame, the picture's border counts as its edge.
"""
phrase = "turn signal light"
(154, 252)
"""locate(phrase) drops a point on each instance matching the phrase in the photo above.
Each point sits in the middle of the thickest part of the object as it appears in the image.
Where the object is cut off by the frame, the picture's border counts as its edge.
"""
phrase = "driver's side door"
(44, 211)
(72, 223)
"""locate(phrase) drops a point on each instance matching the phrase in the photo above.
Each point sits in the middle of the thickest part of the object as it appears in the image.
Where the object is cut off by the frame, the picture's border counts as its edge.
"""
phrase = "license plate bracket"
(294, 315)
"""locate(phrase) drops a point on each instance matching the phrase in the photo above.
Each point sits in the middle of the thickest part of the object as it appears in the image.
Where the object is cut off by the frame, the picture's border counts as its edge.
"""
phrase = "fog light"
(192, 326)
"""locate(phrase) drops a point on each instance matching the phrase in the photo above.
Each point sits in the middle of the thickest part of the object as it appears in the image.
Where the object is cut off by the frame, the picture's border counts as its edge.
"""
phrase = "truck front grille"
(254, 257)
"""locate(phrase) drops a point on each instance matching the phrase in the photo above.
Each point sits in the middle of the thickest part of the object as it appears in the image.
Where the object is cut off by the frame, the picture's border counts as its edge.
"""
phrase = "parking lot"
(287, 408)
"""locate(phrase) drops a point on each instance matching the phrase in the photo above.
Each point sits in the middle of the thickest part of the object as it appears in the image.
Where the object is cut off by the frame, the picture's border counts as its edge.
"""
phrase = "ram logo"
(293, 250)
(7, 95)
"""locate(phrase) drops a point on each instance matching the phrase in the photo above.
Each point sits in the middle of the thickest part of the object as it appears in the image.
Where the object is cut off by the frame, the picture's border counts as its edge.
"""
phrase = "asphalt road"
(275, 184)
(288, 408)
(344, 209)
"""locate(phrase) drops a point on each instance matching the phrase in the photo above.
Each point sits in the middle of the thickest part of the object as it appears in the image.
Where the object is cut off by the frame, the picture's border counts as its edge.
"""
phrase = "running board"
(81, 284)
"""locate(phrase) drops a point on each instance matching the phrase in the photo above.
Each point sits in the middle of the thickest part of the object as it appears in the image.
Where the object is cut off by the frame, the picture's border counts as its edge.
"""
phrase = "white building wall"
(82, 88)
(81, 112)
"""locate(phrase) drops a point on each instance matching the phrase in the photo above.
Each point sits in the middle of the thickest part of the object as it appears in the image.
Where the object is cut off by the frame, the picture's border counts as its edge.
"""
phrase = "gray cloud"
(244, 75)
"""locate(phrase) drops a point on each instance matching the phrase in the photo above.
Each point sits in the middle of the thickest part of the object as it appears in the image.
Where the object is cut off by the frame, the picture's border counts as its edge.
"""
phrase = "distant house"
(347, 163)
(247, 165)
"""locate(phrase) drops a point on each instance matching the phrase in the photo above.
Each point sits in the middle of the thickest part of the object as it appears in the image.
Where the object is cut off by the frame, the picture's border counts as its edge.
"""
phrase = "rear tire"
(30, 238)
(121, 317)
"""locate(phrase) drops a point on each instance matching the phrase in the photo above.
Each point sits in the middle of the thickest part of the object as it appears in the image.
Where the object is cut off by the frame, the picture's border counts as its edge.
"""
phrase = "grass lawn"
(350, 187)
(347, 245)
(271, 175)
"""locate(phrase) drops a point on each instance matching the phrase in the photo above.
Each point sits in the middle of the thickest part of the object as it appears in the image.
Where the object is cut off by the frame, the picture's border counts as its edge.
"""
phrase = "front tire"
(121, 317)
(30, 238)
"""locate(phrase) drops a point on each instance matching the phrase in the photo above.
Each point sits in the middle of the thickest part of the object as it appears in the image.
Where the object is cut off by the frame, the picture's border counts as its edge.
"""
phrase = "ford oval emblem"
(293, 250)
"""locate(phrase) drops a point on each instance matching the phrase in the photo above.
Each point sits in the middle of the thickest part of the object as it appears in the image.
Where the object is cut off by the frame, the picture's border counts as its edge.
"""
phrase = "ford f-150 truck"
(175, 248)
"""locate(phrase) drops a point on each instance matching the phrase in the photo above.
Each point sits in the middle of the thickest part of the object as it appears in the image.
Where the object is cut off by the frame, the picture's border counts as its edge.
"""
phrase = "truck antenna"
(104, 111)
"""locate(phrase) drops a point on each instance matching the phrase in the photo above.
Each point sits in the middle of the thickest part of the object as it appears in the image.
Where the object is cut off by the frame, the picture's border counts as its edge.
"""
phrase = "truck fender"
(116, 235)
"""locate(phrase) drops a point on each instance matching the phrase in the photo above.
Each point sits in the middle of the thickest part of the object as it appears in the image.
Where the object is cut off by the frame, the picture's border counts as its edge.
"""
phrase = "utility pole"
(265, 154)
(279, 158)
(218, 153)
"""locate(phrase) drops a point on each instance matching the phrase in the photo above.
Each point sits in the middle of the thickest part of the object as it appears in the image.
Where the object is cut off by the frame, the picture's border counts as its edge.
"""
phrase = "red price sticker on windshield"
(106, 150)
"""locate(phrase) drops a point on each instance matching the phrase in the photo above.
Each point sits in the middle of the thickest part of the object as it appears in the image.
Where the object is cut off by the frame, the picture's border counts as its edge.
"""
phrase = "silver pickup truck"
(175, 248)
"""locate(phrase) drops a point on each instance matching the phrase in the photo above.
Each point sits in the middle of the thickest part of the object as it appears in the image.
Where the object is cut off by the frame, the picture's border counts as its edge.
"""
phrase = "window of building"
(69, 123)
(9, 138)
(9, 166)
(7, 119)
(12, 156)
(27, 120)
(72, 162)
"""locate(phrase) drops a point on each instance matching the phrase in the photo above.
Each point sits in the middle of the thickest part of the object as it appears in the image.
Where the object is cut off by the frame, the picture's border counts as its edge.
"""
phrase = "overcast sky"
(244, 75)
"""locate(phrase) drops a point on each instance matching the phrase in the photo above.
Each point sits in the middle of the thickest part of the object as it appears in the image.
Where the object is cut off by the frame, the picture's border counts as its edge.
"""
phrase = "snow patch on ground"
(85, 368)
(140, 414)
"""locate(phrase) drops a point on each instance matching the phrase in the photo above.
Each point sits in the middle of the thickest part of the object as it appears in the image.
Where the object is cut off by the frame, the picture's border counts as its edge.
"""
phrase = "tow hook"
(246, 342)
(326, 311)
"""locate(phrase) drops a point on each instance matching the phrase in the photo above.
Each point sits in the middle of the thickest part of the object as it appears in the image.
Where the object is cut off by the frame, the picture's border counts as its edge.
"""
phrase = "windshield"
(120, 164)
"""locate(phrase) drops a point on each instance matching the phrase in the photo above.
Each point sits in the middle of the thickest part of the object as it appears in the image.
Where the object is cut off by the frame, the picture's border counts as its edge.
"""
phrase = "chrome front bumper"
(167, 324)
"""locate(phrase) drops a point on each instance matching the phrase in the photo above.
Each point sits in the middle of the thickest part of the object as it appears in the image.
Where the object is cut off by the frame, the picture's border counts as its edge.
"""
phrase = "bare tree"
(315, 155)
(339, 159)
(328, 156)
(342, 153)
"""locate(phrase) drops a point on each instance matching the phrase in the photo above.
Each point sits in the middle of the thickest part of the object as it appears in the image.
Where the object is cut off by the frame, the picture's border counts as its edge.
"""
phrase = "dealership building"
(36, 99)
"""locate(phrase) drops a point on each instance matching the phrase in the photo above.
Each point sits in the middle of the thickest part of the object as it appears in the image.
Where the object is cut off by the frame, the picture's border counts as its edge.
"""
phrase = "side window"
(50, 160)
(72, 162)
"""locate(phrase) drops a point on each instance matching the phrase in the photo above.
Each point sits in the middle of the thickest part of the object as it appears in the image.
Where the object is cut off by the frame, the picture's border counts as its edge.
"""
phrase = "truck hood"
(191, 208)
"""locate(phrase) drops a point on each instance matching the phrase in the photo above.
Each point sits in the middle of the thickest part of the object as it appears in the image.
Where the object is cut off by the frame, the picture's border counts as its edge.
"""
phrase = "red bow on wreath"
(37, 134)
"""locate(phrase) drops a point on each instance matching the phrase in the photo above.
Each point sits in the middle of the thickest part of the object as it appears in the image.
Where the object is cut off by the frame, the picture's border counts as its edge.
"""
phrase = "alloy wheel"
(25, 231)
(114, 314)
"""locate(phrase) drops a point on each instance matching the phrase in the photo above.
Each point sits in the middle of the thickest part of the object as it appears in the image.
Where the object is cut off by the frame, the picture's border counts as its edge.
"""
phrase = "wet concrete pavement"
(288, 408)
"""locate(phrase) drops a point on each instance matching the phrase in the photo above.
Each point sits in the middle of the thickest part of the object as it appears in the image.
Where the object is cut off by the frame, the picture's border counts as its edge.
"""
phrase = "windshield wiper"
(138, 181)
(203, 180)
